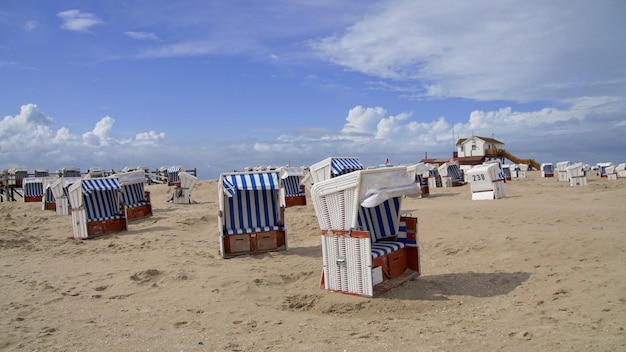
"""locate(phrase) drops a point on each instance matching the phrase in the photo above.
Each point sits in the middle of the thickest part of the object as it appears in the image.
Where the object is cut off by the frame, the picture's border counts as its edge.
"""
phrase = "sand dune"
(542, 269)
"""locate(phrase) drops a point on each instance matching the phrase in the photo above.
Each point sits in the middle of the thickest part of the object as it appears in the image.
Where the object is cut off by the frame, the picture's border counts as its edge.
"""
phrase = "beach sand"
(543, 269)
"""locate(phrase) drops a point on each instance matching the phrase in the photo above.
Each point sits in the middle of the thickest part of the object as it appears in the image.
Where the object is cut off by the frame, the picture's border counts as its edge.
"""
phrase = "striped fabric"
(101, 199)
(381, 248)
(172, 174)
(48, 195)
(102, 205)
(381, 221)
(133, 195)
(455, 172)
(252, 203)
(99, 184)
(33, 188)
(250, 182)
(292, 186)
(344, 166)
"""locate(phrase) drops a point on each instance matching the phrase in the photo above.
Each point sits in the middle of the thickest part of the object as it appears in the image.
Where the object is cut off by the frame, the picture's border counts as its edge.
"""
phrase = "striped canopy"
(250, 182)
(340, 166)
(174, 169)
(99, 184)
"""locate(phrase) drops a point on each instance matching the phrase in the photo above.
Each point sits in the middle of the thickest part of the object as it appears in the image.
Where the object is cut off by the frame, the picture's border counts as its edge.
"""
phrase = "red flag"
(387, 161)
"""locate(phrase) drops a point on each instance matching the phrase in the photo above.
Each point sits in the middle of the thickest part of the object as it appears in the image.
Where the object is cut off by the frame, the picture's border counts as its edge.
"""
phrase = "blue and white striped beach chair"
(96, 207)
(33, 189)
(251, 215)
(364, 250)
(135, 198)
(173, 179)
(290, 178)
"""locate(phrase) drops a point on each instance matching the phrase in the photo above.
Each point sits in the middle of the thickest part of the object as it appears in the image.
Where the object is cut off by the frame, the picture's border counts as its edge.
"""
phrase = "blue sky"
(221, 85)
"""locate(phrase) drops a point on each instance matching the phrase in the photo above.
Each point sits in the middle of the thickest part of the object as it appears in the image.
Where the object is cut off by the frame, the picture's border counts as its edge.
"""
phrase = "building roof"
(486, 139)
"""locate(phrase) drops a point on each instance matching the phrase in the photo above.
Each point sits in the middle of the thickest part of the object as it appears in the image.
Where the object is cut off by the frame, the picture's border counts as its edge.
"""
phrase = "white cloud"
(151, 136)
(362, 120)
(28, 138)
(485, 50)
(31, 25)
(142, 35)
(75, 20)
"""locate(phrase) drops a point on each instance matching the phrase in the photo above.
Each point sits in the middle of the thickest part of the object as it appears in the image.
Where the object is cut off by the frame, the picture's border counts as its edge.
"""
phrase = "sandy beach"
(540, 270)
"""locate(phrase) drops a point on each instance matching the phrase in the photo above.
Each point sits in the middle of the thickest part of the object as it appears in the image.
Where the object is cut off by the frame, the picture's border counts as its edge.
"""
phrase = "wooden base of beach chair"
(100, 228)
(50, 206)
(295, 201)
(139, 212)
(254, 243)
(33, 199)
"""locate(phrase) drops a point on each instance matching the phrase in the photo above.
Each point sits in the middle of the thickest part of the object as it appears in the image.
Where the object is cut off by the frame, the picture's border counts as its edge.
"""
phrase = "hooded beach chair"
(33, 189)
(48, 202)
(251, 213)
(60, 192)
(420, 172)
(561, 170)
(333, 167)
(182, 192)
(547, 170)
(576, 174)
(506, 170)
(522, 170)
(294, 190)
(611, 173)
(486, 181)
(17, 176)
(173, 178)
(367, 246)
(451, 175)
(620, 169)
(135, 198)
(96, 207)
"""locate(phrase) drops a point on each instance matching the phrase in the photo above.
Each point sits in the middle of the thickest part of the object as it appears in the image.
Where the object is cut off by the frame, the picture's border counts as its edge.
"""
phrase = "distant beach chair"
(48, 202)
(96, 207)
(420, 172)
(611, 173)
(506, 170)
(620, 169)
(17, 176)
(522, 170)
(367, 246)
(451, 175)
(486, 182)
(576, 174)
(135, 198)
(33, 189)
(60, 192)
(182, 192)
(547, 170)
(173, 178)
(561, 169)
(251, 213)
(290, 179)
(601, 171)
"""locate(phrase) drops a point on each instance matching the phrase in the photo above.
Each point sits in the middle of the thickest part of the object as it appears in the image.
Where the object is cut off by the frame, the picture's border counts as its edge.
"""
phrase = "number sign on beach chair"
(251, 213)
(486, 181)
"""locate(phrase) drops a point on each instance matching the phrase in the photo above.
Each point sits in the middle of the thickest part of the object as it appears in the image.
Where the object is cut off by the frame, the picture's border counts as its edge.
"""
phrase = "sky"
(223, 85)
